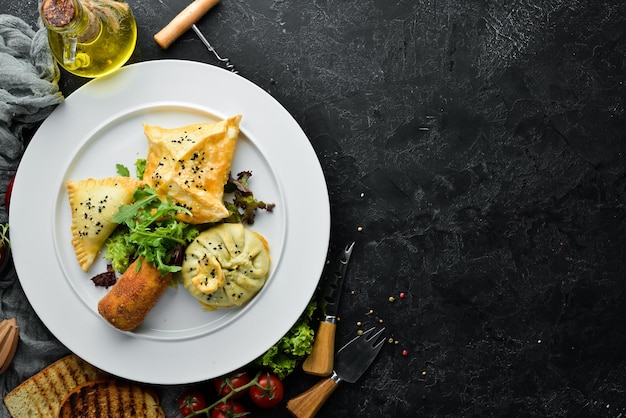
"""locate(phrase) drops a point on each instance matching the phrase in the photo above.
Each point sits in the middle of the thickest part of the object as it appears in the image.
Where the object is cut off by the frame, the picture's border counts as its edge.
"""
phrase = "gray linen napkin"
(28, 93)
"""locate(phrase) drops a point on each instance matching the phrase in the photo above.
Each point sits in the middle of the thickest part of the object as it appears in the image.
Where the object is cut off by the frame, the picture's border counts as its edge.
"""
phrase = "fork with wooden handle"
(351, 362)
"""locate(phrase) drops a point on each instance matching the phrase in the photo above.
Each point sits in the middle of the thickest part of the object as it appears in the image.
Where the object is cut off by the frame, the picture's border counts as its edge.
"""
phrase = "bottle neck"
(64, 16)
(70, 19)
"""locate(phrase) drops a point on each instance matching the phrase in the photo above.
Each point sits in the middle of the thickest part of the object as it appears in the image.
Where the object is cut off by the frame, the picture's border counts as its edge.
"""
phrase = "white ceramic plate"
(99, 126)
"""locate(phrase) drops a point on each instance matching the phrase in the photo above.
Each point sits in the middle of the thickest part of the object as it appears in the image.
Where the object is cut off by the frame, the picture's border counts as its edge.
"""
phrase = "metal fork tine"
(376, 337)
(365, 338)
(366, 334)
(361, 350)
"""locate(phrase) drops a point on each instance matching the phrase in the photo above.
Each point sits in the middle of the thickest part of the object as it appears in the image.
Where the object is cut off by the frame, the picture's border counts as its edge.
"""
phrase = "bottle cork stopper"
(57, 13)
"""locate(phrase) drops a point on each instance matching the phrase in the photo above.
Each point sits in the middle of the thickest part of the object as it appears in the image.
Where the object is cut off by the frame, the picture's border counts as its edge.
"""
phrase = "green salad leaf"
(140, 167)
(122, 170)
(244, 205)
(152, 232)
(119, 251)
(283, 357)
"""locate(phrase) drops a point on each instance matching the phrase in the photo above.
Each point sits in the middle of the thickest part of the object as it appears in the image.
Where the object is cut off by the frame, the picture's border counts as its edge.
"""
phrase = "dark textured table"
(476, 153)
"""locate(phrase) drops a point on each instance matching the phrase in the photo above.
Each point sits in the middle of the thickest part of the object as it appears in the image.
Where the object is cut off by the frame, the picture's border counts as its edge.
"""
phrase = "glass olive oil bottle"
(90, 38)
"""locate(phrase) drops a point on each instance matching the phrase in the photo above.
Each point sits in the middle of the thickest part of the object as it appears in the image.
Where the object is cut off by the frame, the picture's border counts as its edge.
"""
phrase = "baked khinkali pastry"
(226, 266)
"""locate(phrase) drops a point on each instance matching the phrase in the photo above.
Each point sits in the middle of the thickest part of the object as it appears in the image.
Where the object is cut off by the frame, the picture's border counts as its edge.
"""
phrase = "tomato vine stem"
(253, 382)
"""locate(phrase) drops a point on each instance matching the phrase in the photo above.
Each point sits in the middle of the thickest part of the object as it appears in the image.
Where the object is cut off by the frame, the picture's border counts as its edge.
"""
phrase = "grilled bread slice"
(42, 394)
(111, 398)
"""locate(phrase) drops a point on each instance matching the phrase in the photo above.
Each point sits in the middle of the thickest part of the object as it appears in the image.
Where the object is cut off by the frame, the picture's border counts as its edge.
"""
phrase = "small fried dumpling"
(94, 203)
(226, 266)
(191, 164)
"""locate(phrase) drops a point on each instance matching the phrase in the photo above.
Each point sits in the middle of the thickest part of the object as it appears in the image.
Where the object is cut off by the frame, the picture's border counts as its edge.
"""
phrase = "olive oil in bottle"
(90, 38)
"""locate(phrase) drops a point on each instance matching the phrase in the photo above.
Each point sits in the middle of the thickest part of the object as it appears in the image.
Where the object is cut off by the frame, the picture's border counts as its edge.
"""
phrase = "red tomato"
(229, 409)
(225, 385)
(7, 196)
(190, 402)
(268, 392)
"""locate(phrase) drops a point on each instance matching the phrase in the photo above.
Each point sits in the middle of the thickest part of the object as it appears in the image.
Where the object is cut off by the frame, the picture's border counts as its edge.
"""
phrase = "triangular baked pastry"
(191, 164)
(94, 203)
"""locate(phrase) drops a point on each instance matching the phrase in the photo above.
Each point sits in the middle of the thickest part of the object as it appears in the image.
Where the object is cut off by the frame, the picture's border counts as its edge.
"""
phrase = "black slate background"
(476, 153)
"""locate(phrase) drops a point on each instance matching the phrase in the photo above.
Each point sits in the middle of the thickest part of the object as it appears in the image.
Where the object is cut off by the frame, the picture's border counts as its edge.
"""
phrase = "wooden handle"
(308, 403)
(183, 21)
(320, 361)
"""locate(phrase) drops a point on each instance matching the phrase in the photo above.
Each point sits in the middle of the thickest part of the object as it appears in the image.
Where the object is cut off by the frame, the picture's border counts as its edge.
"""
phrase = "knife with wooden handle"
(320, 361)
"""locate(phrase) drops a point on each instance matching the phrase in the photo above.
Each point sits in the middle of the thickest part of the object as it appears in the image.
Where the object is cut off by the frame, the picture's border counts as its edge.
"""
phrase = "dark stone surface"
(481, 148)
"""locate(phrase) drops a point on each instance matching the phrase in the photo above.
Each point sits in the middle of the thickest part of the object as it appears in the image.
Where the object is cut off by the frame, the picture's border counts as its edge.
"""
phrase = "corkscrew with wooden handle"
(320, 361)
(186, 20)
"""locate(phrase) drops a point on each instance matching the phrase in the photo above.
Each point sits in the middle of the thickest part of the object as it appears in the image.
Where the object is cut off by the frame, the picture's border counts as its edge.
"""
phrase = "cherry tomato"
(225, 385)
(268, 392)
(229, 409)
(7, 196)
(190, 402)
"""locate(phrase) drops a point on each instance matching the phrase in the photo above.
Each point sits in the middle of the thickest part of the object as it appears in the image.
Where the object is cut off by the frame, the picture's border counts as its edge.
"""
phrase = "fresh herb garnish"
(122, 170)
(140, 168)
(153, 230)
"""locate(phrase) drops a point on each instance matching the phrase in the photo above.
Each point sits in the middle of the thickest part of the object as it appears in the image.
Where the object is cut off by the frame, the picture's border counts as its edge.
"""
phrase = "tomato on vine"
(191, 401)
(268, 391)
(229, 409)
(7, 196)
(225, 385)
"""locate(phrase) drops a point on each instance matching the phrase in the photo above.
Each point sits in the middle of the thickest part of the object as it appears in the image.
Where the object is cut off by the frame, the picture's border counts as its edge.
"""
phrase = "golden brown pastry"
(226, 265)
(129, 301)
(94, 203)
(191, 164)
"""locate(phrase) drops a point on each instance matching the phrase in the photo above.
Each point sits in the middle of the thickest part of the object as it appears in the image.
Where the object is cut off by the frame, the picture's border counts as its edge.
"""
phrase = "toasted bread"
(42, 394)
(111, 398)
